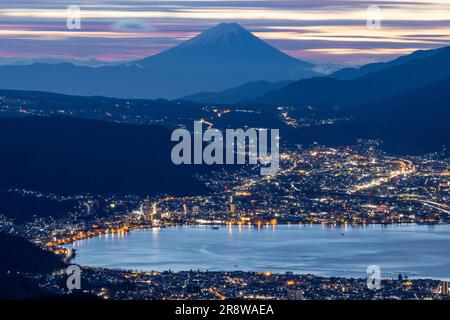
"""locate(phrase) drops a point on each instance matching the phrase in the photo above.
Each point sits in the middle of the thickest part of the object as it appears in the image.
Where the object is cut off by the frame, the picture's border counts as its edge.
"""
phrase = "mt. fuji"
(231, 53)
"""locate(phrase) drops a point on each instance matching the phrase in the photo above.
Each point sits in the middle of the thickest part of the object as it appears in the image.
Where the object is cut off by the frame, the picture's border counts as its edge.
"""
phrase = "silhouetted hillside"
(20, 262)
(22, 207)
(415, 122)
(354, 73)
(244, 93)
(68, 155)
(19, 255)
(373, 86)
(20, 102)
(16, 287)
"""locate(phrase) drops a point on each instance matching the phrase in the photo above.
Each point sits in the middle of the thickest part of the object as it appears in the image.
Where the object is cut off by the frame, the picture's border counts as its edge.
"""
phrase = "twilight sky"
(315, 30)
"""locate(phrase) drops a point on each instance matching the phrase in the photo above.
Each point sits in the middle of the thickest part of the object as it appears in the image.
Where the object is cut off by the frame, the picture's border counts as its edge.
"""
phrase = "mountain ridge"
(354, 73)
(380, 84)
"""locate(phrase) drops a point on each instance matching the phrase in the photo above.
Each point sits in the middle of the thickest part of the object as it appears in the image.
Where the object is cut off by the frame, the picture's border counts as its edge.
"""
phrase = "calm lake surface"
(415, 250)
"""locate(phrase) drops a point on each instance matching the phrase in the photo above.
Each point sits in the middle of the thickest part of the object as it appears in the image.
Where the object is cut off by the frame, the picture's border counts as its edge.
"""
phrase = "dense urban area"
(352, 186)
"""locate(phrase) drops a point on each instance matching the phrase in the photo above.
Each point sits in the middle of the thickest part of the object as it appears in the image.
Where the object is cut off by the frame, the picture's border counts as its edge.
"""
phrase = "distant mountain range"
(354, 73)
(388, 79)
(404, 102)
(224, 56)
(8, 61)
(434, 66)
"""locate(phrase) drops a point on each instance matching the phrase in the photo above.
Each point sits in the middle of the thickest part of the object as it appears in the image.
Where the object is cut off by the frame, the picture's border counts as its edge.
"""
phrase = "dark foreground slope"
(24, 268)
(18, 256)
(68, 155)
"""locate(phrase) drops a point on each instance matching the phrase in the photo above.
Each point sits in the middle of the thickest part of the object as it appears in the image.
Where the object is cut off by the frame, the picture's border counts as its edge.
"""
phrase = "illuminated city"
(247, 152)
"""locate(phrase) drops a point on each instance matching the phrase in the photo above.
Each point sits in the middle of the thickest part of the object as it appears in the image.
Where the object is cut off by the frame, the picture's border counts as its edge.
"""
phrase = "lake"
(414, 250)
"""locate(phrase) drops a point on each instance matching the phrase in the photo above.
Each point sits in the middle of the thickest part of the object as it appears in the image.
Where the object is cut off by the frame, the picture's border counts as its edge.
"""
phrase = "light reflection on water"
(415, 250)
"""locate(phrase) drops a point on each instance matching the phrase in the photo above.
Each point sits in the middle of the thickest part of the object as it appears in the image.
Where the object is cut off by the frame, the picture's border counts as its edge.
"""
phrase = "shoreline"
(268, 273)
(325, 273)
(90, 235)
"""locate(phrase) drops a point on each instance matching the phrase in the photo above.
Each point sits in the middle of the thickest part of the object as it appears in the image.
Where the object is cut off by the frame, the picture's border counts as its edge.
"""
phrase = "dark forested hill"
(68, 155)
(415, 122)
(377, 85)
(19, 255)
(19, 259)
(22, 207)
